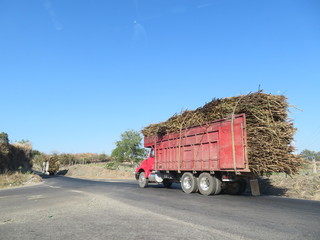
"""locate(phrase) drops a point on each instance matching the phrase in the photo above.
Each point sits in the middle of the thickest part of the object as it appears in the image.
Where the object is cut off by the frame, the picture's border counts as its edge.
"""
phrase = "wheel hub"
(187, 182)
(142, 178)
(204, 184)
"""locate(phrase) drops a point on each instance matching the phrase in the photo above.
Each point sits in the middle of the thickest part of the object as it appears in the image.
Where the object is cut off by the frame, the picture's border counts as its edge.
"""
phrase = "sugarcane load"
(221, 144)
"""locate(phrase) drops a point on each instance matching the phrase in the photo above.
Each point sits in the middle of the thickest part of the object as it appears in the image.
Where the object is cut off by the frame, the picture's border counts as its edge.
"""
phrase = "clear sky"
(75, 74)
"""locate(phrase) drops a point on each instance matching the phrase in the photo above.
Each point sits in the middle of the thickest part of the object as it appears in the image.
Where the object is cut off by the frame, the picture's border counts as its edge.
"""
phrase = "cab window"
(151, 153)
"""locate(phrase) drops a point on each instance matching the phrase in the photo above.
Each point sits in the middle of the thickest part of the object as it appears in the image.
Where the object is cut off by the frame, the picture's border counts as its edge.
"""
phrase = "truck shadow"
(42, 175)
(62, 172)
(266, 188)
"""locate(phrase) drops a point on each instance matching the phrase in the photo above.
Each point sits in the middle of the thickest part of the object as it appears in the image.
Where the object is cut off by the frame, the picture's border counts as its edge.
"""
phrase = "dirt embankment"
(96, 172)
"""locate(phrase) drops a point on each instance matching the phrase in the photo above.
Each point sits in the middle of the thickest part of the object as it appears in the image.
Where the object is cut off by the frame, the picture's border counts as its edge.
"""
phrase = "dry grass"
(15, 179)
(305, 185)
(26, 147)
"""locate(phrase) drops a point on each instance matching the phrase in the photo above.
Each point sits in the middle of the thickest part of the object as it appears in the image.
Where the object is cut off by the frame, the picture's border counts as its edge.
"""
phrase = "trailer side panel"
(216, 146)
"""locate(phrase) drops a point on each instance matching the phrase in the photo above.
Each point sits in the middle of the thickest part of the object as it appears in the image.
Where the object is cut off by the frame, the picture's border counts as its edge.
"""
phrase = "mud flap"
(255, 189)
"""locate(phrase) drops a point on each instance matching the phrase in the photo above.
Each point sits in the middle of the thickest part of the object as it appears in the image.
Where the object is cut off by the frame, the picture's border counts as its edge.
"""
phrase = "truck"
(207, 158)
(51, 165)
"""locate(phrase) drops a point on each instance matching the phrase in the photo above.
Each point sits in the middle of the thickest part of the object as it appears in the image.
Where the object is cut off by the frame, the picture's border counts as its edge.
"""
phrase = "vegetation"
(15, 156)
(70, 159)
(4, 138)
(309, 155)
(304, 185)
(129, 148)
(15, 163)
(17, 178)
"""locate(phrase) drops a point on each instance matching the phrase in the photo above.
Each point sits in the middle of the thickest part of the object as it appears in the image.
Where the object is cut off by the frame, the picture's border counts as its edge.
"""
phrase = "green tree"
(24, 141)
(4, 138)
(38, 159)
(129, 148)
(308, 154)
(67, 159)
(103, 157)
(36, 152)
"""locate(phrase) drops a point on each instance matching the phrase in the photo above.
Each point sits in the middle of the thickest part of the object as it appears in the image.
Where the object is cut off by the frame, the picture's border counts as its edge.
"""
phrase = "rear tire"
(209, 184)
(143, 181)
(189, 183)
(167, 183)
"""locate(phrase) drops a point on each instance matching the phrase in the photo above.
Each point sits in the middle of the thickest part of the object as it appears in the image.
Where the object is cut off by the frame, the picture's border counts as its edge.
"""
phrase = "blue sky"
(74, 75)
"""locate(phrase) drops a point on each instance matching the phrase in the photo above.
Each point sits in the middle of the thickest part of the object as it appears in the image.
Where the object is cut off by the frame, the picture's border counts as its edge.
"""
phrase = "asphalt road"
(67, 208)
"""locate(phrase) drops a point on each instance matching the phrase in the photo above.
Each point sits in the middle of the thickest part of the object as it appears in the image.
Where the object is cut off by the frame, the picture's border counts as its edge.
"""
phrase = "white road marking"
(77, 191)
(36, 197)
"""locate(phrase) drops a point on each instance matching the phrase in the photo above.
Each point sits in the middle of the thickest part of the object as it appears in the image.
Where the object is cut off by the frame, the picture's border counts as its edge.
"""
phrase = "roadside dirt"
(18, 179)
(298, 186)
(305, 185)
(96, 172)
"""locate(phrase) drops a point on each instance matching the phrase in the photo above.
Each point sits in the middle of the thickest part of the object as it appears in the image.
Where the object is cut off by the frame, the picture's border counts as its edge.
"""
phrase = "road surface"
(68, 208)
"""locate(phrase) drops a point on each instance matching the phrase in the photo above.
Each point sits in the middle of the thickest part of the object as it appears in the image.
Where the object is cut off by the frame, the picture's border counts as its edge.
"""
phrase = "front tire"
(189, 183)
(143, 181)
(209, 184)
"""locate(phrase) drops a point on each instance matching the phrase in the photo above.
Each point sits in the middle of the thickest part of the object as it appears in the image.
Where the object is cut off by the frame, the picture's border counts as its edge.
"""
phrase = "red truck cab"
(146, 165)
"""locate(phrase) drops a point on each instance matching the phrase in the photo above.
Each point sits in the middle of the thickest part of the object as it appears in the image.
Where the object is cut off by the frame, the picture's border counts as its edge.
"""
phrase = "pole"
(315, 171)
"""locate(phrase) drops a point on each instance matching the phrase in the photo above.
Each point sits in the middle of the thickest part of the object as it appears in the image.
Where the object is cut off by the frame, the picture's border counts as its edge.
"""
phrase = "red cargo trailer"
(208, 158)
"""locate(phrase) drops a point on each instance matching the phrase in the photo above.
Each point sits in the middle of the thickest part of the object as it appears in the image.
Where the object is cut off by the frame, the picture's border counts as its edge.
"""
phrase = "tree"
(36, 152)
(103, 157)
(24, 141)
(129, 148)
(308, 154)
(4, 138)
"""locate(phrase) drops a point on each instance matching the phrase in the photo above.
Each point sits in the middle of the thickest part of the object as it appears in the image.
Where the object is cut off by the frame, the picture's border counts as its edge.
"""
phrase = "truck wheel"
(189, 183)
(167, 183)
(143, 181)
(236, 188)
(208, 184)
